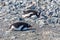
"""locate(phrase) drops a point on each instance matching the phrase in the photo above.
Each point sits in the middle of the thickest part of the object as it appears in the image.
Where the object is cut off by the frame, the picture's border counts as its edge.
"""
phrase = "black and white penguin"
(30, 13)
(20, 26)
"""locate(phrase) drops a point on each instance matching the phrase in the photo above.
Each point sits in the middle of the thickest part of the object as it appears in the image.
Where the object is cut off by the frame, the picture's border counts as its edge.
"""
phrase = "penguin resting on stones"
(20, 26)
(30, 13)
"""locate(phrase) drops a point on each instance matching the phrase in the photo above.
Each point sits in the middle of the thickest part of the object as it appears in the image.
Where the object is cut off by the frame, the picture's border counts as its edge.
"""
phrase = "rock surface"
(47, 26)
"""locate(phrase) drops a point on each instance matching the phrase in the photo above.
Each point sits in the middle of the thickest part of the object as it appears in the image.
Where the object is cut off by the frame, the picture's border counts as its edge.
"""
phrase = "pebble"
(50, 10)
(40, 23)
(23, 34)
(13, 37)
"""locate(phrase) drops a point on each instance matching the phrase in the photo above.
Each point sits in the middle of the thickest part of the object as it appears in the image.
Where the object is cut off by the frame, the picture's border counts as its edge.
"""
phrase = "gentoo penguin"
(30, 13)
(20, 26)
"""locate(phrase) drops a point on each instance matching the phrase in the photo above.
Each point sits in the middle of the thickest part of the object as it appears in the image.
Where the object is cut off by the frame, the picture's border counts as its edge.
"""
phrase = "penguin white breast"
(25, 15)
(19, 28)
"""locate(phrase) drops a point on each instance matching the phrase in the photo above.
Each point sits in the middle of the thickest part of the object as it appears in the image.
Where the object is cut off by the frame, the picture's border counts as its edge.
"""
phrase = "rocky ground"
(47, 27)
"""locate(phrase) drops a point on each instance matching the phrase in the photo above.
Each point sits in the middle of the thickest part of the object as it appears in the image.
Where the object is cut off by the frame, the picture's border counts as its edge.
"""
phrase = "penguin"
(20, 26)
(30, 13)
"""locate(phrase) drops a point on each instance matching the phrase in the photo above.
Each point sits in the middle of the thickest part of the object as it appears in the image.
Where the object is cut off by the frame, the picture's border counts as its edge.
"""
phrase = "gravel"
(46, 26)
